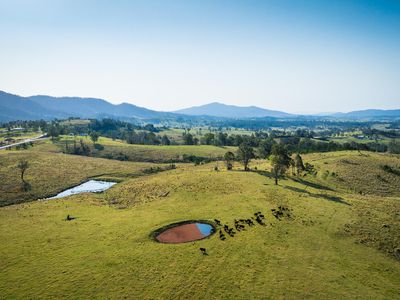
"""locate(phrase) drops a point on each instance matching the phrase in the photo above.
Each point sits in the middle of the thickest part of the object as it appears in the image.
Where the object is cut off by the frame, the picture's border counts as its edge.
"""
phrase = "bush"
(310, 169)
(390, 169)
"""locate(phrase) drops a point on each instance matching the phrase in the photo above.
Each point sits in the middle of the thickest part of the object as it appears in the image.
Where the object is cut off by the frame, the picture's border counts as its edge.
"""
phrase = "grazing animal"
(278, 214)
(69, 218)
(260, 221)
(281, 212)
(249, 222)
(229, 231)
(259, 214)
(221, 236)
(239, 227)
(204, 251)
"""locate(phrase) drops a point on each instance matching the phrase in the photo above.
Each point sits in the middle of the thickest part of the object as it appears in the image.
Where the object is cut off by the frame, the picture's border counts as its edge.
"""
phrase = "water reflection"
(94, 186)
(188, 232)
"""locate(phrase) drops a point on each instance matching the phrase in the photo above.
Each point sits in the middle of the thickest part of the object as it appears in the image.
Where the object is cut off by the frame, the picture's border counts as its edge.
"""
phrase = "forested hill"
(14, 107)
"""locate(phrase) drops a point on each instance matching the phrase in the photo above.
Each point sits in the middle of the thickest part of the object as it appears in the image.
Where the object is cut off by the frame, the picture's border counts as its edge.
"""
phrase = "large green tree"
(94, 136)
(245, 153)
(165, 140)
(264, 148)
(280, 160)
(189, 139)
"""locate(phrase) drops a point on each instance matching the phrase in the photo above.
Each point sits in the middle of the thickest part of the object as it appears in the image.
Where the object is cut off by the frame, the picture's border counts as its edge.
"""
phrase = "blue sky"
(296, 56)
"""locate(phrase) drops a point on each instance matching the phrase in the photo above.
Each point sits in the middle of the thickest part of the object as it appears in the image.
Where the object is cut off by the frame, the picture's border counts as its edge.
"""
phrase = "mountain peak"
(218, 109)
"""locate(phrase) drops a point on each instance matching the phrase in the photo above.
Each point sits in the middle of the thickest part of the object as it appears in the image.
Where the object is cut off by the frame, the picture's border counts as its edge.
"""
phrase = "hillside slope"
(107, 251)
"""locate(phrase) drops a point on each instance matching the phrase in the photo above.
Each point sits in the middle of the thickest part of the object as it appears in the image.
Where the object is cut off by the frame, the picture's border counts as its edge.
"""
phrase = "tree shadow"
(312, 184)
(263, 173)
(336, 199)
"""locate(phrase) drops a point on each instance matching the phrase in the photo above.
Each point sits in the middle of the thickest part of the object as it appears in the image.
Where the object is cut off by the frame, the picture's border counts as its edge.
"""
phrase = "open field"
(18, 136)
(147, 153)
(362, 173)
(338, 244)
(176, 133)
(349, 139)
(49, 173)
(76, 122)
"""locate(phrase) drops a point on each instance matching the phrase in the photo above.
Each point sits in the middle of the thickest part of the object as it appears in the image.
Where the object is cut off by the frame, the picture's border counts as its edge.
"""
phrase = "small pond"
(184, 232)
(93, 186)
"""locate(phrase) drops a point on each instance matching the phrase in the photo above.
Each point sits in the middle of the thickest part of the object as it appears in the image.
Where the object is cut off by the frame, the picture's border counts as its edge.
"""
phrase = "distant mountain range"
(217, 109)
(14, 107)
(369, 113)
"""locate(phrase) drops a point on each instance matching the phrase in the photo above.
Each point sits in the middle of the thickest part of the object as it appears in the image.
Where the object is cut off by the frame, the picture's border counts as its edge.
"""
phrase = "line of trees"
(300, 140)
(280, 158)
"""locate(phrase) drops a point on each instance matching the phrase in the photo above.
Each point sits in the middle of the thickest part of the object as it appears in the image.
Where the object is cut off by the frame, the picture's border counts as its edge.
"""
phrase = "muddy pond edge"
(153, 235)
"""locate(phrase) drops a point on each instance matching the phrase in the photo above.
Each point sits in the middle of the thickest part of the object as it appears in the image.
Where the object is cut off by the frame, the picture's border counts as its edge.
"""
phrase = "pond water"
(93, 186)
(187, 232)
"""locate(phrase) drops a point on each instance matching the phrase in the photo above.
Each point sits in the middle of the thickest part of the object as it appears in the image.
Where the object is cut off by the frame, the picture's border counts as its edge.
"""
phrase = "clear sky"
(296, 56)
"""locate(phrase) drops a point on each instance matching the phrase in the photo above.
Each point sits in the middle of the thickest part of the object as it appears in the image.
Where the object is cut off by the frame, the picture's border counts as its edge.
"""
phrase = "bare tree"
(23, 165)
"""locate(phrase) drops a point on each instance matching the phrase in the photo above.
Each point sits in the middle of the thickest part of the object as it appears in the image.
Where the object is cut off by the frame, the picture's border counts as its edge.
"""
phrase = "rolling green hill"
(337, 243)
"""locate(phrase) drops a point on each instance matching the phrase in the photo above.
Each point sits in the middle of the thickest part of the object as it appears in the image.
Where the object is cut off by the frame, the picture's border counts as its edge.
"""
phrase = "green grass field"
(349, 139)
(340, 244)
(50, 173)
(18, 136)
(176, 133)
(148, 153)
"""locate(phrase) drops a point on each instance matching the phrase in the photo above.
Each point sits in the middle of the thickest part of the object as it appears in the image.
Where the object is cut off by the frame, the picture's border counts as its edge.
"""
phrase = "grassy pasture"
(149, 153)
(18, 136)
(349, 139)
(50, 173)
(333, 248)
(75, 122)
(359, 173)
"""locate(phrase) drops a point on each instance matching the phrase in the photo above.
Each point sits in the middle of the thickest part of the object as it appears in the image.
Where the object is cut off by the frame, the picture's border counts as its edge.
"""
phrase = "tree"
(23, 165)
(94, 136)
(280, 160)
(292, 165)
(85, 150)
(207, 139)
(165, 140)
(264, 149)
(229, 157)
(53, 131)
(245, 153)
(188, 139)
(394, 146)
(221, 139)
(298, 161)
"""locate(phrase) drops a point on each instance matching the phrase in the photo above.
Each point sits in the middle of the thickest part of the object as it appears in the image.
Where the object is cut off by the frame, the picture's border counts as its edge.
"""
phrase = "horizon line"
(207, 103)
